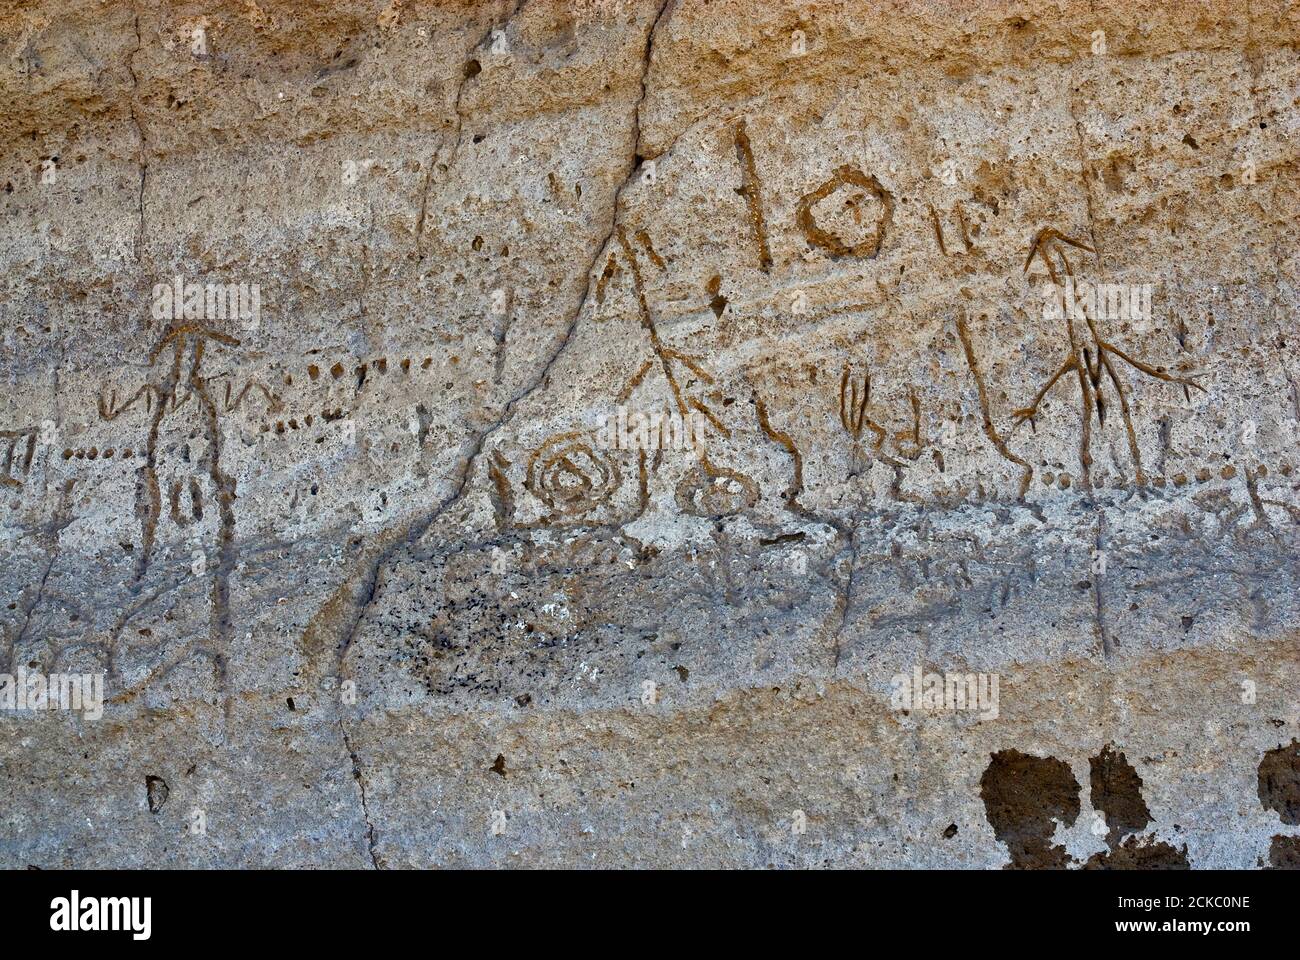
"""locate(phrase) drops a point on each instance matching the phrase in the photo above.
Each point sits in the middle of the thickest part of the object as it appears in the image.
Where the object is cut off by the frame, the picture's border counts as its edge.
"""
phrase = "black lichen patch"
(1023, 797)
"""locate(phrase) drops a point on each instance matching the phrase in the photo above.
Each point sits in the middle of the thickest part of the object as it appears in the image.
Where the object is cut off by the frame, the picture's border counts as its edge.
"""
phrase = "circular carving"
(715, 492)
(846, 177)
(571, 477)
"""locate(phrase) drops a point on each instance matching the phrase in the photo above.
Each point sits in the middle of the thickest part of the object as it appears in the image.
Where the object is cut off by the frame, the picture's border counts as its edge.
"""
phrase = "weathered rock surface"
(367, 585)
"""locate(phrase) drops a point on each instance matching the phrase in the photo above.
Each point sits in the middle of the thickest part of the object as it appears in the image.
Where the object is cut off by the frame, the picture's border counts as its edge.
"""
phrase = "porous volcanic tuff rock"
(651, 433)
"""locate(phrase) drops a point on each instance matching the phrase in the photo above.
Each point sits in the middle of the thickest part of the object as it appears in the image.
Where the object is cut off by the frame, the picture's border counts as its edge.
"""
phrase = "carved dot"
(313, 371)
(156, 792)
(336, 371)
(67, 454)
(1180, 479)
(1065, 481)
(1202, 474)
(1228, 472)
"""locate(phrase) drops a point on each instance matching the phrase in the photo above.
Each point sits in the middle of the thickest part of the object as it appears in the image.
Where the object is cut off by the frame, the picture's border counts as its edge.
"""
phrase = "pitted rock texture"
(370, 584)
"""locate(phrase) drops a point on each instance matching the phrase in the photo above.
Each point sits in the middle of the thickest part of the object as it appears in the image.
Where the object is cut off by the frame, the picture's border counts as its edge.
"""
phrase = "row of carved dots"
(338, 370)
(1203, 475)
(280, 426)
(94, 453)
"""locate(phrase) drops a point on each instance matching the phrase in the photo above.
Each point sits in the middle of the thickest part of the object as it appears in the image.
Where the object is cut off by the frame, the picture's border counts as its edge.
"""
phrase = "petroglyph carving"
(643, 238)
(848, 215)
(671, 361)
(965, 232)
(787, 442)
(503, 498)
(711, 491)
(855, 417)
(1090, 355)
(990, 431)
(750, 189)
(273, 403)
(179, 516)
(19, 448)
(110, 409)
(185, 341)
(94, 453)
(570, 475)
(188, 344)
(855, 394)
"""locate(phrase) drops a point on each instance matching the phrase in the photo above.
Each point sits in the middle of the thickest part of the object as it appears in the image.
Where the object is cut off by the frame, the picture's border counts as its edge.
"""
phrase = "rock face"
(651, 433)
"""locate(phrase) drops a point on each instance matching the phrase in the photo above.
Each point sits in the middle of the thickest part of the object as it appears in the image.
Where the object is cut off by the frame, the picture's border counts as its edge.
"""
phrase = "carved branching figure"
(1090, 357)
(853, 407)
(187, 344)
(672, 362)
(855, 398)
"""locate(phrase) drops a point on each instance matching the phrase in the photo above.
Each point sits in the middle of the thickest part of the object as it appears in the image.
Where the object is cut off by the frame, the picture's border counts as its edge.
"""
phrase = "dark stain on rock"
(156, 790)
(1116, 790)
(1145, 854)
(1279, 781)
(1023, 797)
(1284, 854)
